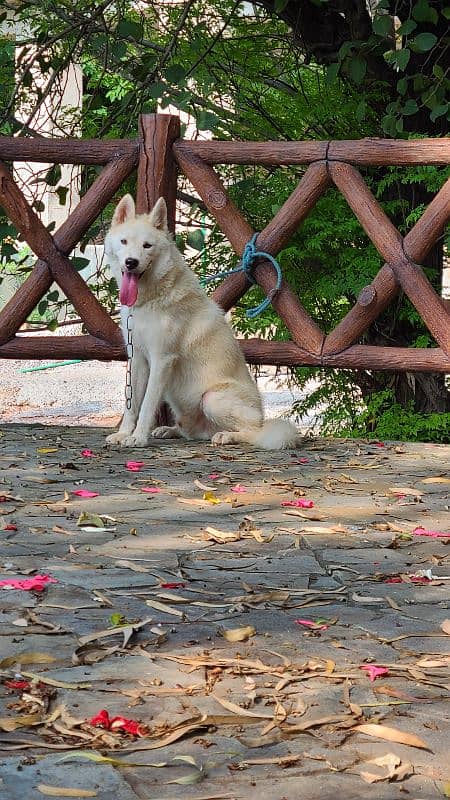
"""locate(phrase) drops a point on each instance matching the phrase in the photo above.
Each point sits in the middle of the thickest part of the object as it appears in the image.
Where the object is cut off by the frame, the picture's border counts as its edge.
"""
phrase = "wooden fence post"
(157, 177)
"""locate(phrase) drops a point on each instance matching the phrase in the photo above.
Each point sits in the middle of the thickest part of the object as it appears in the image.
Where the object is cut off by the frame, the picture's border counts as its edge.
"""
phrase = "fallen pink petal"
(150, 489)
(213, 476)
(36, 583)
(172, 585)
(134, 466)
(300, 503)
(85, 493)
(373, 671)
(433, 534)
(87, 454)
(9, 527)
(238, 489)
(309, 623)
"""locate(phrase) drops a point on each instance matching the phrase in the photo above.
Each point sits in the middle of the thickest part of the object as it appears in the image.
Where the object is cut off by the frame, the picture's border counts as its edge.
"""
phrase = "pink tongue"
(128, 289)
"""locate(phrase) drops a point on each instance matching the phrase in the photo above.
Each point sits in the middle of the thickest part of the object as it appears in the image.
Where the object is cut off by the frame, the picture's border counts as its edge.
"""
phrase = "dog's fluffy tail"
(275, 434)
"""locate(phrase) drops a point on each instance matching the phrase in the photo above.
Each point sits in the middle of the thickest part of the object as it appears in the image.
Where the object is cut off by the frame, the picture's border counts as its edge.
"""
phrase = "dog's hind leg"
(235, 418)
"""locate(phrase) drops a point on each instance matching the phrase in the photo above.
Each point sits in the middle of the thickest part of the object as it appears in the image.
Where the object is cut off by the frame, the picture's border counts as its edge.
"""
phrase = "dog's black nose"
(131, 263)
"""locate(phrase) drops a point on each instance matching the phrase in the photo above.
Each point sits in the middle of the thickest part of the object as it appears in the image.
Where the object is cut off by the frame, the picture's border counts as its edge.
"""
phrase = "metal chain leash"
(128, 386)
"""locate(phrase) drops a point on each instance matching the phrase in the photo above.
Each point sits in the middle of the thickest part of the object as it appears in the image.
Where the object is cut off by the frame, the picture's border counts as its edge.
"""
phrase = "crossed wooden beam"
(400, 271)
(156, 155)
(104, 339)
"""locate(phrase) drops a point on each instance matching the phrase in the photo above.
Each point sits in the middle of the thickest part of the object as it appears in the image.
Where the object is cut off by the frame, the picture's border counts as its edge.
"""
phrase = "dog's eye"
(147, 245)
(123, 241)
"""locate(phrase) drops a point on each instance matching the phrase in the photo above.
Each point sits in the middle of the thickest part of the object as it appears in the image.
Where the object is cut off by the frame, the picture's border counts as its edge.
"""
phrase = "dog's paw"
(116, 438)
(223, 437)
(165, 432)
(135, 440)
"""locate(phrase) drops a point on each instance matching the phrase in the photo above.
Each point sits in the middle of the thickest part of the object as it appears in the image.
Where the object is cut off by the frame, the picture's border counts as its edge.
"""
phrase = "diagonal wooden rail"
(157, 154)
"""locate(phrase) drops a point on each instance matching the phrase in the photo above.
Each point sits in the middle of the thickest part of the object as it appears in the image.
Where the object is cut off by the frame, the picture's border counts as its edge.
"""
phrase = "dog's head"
(134, 244)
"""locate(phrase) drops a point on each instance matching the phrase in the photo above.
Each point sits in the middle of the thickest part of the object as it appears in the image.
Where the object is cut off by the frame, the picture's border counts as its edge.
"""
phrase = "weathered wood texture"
(58, 347)
(157, 177)
(363, 152)
(304, 330)
(157, 153)
(66, 151)
(258, 351)
(16, 312)
(157, 168)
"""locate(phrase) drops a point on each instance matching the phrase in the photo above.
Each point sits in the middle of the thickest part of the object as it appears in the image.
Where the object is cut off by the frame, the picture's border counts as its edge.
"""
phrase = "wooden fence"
(158, 154)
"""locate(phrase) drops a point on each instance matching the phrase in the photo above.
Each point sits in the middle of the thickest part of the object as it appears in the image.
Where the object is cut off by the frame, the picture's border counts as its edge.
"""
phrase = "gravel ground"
(91, 393)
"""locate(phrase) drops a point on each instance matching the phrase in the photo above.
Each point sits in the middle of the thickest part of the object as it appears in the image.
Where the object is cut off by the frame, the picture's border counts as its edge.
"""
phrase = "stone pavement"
(229, 628)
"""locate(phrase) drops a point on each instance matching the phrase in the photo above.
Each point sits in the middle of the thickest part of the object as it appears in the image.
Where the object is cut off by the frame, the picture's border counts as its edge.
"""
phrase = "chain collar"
(128, 386)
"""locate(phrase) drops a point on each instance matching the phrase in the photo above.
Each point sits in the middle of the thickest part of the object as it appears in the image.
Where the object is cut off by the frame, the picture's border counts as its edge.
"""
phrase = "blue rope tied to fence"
(246, 266)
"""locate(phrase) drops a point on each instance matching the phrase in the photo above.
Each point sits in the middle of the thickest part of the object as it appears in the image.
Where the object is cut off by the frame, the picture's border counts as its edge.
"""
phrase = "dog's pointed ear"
(158, 215)
(125, 210)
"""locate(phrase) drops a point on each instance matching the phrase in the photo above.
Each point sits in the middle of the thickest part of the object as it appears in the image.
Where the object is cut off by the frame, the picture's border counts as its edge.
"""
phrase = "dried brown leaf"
(65, 791)
(391, 735)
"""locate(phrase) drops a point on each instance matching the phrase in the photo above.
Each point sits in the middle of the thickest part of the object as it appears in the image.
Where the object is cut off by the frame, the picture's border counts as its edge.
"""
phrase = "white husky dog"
(185, 353)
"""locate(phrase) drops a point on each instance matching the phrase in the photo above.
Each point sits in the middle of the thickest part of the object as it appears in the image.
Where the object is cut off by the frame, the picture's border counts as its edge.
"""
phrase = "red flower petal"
(373, 671)
(85, 493)
(300, 503)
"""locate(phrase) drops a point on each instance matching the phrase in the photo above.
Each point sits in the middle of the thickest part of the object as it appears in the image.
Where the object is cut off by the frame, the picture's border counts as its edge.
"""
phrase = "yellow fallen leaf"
(26, 658)
(238, 634)
(45, 450)
(391, 735)
(65, 791)
(210, 497)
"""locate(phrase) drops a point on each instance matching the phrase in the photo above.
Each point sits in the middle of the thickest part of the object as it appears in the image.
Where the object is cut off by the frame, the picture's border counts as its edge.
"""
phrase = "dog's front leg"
(139, 382)
(159, 376)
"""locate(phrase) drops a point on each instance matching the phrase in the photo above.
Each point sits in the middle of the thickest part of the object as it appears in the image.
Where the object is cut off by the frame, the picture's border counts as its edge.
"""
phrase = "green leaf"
(127, 27)
(383, 25)
(401, 57)
(361, 110)
(357, 68)
(156, 90)
(410, 108)
(439, 111)
(53, 175)
(52, 325)
(438, 72)
(117, 620)
(206, 121)
(407, 27)
(79, 262)
(423, 42)
(196, 240)
(402, 85)
(331, 73)
(423, 12)
(53, 296)
(175, 73)
(62, 191)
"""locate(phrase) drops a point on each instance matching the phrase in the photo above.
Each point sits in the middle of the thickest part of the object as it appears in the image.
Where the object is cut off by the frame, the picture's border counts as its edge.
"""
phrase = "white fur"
(184, 345)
